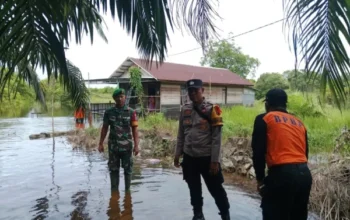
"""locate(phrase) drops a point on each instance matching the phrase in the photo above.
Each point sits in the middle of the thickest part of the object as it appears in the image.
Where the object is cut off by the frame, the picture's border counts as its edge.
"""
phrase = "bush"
(159, 121)
(303, 107)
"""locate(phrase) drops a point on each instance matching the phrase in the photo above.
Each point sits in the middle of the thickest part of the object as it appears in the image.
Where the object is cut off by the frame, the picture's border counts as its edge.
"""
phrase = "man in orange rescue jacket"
(280, 140)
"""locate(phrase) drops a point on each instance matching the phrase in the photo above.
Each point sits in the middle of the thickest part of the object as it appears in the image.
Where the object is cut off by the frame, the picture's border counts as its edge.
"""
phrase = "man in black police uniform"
(199, 141)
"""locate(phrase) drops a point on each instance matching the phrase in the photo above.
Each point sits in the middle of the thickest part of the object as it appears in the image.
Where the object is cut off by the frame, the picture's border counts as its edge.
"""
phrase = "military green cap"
(118, 91)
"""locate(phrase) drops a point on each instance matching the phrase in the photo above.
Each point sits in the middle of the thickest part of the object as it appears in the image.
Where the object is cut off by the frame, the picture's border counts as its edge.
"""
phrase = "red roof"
(182, 73)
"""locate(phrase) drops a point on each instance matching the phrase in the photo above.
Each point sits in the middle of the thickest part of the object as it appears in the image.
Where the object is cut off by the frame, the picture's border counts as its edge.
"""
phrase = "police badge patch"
(188, 112)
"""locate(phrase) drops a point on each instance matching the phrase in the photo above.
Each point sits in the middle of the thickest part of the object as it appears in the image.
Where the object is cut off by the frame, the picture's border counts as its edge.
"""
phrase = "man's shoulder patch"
(217, 109)
(187, 112)
(216, 116)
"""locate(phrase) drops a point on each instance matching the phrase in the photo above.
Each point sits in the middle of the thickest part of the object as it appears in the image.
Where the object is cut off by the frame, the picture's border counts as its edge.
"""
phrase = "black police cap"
(276, 97)
(194, 83)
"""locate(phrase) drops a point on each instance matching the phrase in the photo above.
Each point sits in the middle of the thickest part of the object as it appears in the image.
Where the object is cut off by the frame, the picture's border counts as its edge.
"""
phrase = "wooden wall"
(234, 95)
(248, 97)
(170, 94)
(215, 94)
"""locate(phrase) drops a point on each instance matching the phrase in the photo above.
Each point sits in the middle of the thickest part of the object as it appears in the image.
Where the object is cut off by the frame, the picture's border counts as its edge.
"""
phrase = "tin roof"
(181, 73)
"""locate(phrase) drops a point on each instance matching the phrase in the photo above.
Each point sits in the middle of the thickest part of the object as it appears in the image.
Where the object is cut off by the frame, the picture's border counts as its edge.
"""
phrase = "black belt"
(288, 166)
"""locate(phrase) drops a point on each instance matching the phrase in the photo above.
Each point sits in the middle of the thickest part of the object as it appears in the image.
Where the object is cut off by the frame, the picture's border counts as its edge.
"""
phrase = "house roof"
(181, 73)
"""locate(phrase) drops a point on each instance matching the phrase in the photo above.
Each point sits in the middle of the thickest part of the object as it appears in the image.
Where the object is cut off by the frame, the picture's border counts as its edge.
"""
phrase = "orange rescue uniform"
(278, 138)
(286, 142)
(79, 118)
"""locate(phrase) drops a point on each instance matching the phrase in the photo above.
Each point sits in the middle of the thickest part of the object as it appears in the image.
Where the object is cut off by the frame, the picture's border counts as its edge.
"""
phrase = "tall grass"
(323, 124)
(160, 122)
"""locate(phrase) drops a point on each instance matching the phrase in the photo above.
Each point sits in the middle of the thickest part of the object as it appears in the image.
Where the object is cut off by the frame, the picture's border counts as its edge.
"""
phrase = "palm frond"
(36, 32)
(78, 92)
(317, 28)
(148, 21)
(31, 77)
(197, 16)
(145, 20)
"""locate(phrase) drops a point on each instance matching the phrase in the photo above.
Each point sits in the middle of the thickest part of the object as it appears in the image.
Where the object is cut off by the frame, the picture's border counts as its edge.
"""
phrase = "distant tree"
(37, 33)
(252, 80)
(299, 81)
(269, 81)
(225, 54)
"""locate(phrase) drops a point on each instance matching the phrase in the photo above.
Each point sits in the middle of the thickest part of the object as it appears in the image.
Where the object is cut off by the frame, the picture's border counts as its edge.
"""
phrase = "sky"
(269, 45)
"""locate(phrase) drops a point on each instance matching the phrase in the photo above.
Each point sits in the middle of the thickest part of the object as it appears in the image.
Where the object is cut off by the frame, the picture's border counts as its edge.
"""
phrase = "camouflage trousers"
(120, 158)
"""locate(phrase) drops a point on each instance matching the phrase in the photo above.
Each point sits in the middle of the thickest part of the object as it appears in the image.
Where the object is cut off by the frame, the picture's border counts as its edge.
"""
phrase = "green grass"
(101, 95)
(160, 122)
(323, 131)
(92, 132)
(101, 98)
(323, 124)
(239, 120)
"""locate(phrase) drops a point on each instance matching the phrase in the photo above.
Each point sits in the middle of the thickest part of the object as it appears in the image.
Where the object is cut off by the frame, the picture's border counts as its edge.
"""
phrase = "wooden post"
(89, 114)
(52, 85)
(209, 87)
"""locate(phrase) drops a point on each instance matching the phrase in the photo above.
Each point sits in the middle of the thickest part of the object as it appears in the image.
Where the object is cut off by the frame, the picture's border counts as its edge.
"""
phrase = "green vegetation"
(26, 44)
(57, 95)
(160, 123)
(136, 84)
(102, 95)
(323, 124)
(296, 81)
(226, 54)
(16, 99)
(92, 132)
(268, 81)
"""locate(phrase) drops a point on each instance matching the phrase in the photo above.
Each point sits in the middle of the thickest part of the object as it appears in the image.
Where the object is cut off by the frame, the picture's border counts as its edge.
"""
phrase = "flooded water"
(39, 181)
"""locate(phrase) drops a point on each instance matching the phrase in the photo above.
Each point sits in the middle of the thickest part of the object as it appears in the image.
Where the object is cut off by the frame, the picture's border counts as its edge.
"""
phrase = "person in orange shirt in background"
(79, 116)
(279, 140)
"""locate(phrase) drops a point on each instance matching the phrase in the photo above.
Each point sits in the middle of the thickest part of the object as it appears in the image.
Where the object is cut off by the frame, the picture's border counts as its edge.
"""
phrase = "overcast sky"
(269, 44)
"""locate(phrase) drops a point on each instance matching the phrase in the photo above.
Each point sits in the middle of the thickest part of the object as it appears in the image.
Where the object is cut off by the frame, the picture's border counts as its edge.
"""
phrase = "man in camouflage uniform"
(199, 141)
(122, 121)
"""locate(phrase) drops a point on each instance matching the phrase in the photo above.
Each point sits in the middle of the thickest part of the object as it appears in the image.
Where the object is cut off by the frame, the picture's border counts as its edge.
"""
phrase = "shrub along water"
(16, 99)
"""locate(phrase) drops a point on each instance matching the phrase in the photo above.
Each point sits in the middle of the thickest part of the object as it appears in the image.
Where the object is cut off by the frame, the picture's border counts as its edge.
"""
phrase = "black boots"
(127, 182)
(114, 180)
(198, 215)
(225, 216)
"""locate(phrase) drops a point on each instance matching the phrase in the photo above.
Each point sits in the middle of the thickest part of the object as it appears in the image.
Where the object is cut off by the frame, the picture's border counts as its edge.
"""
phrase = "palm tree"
(317, 28)
(36, 32)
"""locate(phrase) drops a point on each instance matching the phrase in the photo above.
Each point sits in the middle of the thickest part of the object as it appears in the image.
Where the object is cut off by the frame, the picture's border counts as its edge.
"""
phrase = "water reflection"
(114, 212)
(41, 208)
(61, 183)
(79, 200)
(55, 186)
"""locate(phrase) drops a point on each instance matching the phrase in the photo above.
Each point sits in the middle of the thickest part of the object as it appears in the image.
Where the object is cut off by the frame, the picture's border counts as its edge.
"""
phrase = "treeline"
(294, 81)
(17, 98)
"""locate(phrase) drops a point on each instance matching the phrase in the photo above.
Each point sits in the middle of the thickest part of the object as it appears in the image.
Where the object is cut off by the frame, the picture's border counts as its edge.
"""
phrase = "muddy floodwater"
(39, 181)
